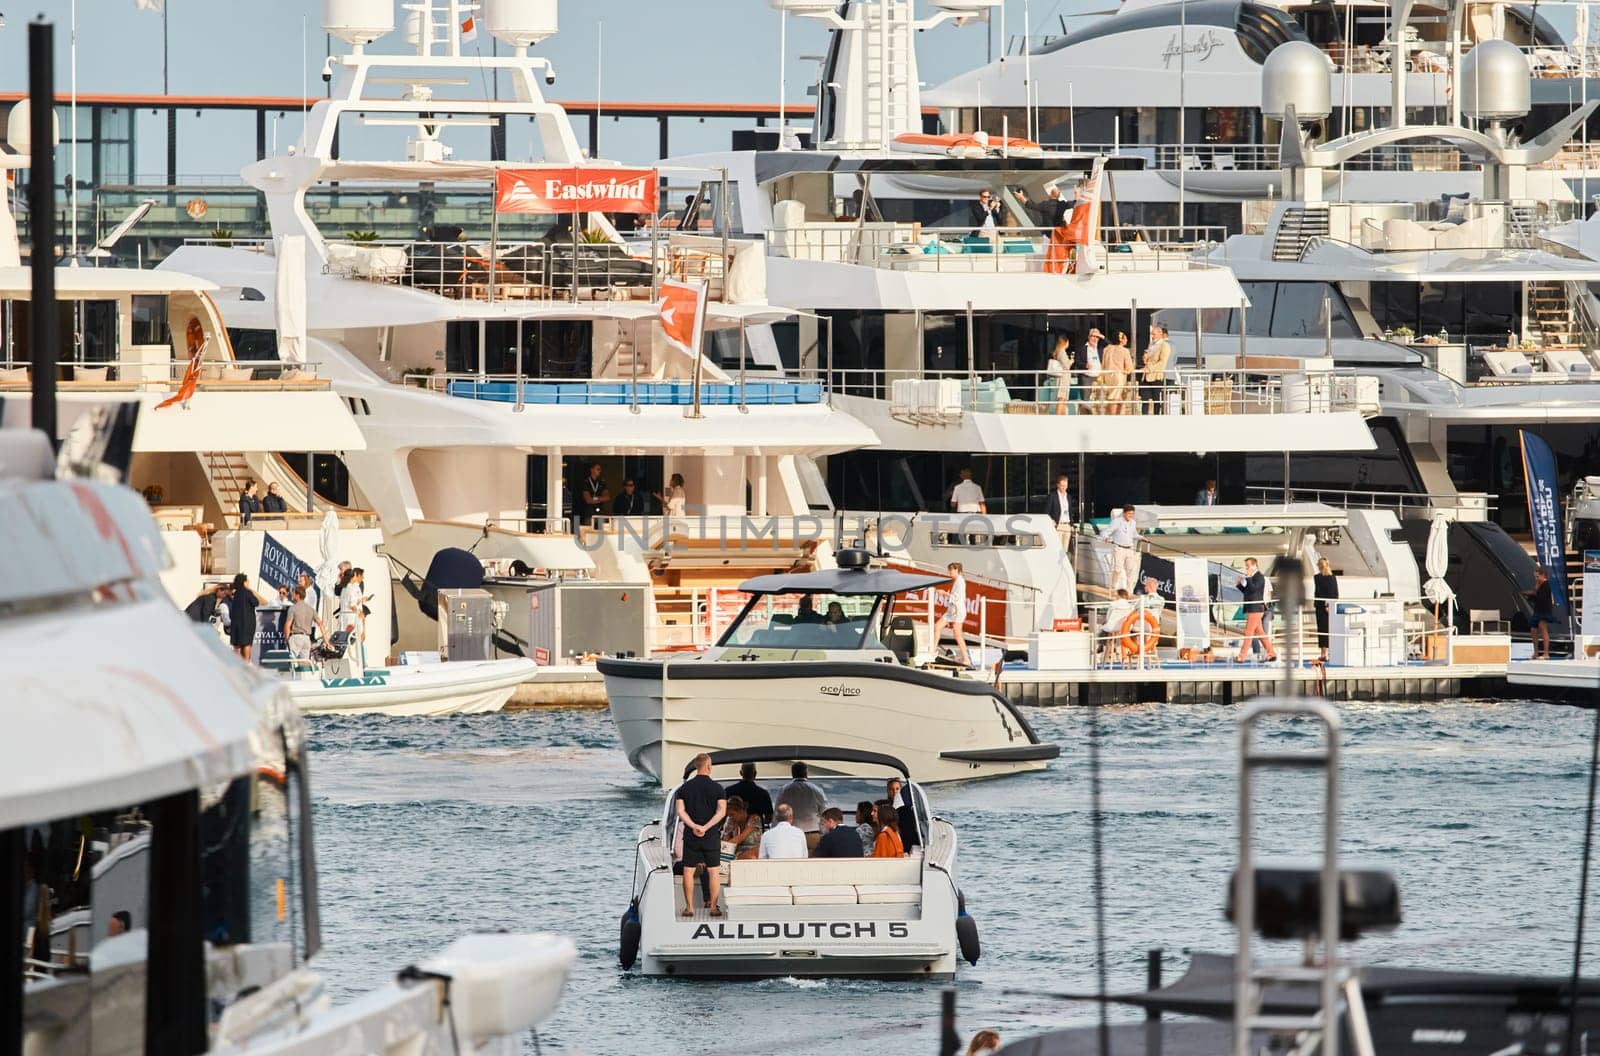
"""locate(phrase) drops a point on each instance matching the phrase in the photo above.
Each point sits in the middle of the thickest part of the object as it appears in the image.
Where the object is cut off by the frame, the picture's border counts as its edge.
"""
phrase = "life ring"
(272, 775)
(1134, 643)
(631, 932)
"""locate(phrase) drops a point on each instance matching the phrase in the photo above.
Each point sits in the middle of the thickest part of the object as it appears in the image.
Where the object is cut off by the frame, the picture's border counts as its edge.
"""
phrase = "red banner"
(575, 190)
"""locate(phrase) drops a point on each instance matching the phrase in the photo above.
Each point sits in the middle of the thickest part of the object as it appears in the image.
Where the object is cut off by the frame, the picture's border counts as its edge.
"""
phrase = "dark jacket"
(242, 619)
(978, 213)
(249, 506)
(274, 504)
(756, 799)
(1053, 212)
(1053, 508)
(842, 842)
(1255, 589)
(909, 836)
(201, 609)
(635, 505)
(1201, 498)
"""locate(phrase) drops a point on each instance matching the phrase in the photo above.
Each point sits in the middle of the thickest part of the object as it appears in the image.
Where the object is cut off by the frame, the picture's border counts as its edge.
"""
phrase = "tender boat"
(160, 898)
(808, 916)
(821, 658)
(461, 687)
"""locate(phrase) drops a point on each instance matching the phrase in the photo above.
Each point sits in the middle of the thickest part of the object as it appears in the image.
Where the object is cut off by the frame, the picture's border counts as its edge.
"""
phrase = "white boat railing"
(969, 251)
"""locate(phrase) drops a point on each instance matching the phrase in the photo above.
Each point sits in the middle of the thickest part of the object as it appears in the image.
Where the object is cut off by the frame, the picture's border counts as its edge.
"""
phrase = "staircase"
(1550, 316)
(624, 357)
(229, 472)
(1296, 228)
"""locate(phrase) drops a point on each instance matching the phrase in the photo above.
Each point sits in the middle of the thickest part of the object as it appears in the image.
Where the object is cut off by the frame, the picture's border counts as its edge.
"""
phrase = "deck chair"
(1571, 363)
(1508, 364)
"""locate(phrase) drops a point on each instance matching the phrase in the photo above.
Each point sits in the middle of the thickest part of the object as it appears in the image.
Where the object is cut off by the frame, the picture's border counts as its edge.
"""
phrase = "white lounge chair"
(1508, 364)
(1569, 362)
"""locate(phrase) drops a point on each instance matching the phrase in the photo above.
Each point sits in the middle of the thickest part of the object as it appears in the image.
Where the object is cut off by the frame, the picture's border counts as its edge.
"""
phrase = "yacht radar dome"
(358, 22)
(852, 559)
(1495, 82)
(1296, 74)
(520, 23)
(966, 10)
(19, 130)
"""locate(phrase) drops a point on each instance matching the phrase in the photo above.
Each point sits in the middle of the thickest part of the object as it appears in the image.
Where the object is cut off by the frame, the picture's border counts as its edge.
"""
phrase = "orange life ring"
(1134, 643)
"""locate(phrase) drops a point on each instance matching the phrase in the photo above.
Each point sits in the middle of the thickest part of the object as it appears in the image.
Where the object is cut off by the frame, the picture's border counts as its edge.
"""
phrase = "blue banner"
(279, 567)
(1544, 512)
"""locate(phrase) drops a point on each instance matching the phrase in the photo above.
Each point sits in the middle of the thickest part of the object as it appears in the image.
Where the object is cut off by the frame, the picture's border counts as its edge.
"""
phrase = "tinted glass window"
(1302, 307)
(1258, 317)
(149, 319)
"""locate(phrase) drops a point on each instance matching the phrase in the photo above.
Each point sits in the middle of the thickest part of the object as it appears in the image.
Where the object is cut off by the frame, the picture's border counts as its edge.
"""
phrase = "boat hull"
(462, 688)
(943, 728)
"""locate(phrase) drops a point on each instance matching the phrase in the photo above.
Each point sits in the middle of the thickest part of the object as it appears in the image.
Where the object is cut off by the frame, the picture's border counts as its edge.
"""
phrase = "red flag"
(191, 374)
(683, 313)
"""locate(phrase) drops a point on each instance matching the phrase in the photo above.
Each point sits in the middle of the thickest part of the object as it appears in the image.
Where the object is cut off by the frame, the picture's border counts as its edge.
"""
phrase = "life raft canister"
(1133, 642)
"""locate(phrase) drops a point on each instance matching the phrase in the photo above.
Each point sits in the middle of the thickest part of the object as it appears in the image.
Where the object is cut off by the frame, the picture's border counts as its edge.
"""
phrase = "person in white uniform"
(967, 496)
(1124, 536)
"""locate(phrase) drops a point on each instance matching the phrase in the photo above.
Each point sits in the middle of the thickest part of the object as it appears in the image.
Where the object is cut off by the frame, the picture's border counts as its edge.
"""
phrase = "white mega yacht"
(1178, 83)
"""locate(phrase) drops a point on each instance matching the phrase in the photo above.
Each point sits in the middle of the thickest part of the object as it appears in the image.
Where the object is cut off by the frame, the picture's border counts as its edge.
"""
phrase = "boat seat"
(1289, 902)
(823, 895)
(801, 872)
(757, 896)
(888, 894)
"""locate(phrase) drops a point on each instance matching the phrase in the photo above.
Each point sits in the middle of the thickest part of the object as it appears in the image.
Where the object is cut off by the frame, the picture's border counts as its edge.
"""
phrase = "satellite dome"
(1495, 81)
(1296, 74)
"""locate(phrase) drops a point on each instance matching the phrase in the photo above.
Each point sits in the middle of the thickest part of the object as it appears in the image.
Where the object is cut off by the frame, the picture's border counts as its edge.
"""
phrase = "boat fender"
(967, 937)
(631, 932)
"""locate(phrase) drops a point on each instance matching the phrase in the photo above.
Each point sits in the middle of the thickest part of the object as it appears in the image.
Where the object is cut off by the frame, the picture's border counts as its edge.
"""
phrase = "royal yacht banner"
(1544, 511)
(279, 567)
(575, 190)
(1591, 592)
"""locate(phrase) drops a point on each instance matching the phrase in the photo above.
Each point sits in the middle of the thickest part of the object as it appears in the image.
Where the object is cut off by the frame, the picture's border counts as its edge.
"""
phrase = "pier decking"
(1229, 683)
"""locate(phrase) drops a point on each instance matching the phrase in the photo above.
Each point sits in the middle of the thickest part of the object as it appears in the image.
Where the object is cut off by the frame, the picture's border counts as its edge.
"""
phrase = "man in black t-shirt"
(701, 806)
(755, 797)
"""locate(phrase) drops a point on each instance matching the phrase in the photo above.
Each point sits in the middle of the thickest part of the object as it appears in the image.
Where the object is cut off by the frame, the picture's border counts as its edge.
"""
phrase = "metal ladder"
(886, 45)
(1340, 992)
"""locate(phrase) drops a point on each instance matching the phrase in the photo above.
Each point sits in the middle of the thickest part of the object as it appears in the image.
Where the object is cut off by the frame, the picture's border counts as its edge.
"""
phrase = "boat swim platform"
(1225, 683)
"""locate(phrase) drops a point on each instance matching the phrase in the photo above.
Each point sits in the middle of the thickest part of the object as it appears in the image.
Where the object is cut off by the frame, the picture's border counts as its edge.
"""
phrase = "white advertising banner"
(1190, 584)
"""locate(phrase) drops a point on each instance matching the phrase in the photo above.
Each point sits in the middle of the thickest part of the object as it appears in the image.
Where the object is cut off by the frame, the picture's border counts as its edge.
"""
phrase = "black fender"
(966, 931)
(632, 931)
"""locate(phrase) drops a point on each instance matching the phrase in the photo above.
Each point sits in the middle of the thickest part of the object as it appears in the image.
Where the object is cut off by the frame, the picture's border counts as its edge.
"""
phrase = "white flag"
(469, 29)
(149, 5)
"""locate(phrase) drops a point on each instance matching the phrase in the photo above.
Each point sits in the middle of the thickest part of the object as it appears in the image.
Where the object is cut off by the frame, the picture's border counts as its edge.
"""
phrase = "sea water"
(429, 828)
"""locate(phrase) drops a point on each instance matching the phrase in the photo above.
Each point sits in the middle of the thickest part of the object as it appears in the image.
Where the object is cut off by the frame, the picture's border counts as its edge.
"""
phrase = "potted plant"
(361, 236)
(223, 236)
(419, 377)
(1403, 333)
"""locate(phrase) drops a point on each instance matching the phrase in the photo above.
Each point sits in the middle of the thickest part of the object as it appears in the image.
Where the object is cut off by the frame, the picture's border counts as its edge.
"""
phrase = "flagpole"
(599, 79)
(73, 168)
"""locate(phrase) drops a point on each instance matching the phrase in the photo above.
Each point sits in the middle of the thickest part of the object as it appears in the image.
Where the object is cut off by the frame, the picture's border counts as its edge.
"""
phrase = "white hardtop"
(82, 283)
(93, 649)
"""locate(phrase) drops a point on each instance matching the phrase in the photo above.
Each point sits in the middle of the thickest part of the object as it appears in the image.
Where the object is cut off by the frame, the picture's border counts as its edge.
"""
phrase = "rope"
(1583, 888)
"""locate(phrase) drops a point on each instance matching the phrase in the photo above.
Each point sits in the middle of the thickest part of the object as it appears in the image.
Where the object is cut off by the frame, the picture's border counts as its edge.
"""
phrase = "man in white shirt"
(966, 496)
(954, 616)
(1124, 536)
(783, 840)
(805, 800)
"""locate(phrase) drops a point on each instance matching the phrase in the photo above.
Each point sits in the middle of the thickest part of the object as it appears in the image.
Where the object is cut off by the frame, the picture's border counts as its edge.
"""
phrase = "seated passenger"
(836, 614)
(783, 840)
(887, 844)
(808, 611)
(864, 828)
(837, 841)
(743, 830)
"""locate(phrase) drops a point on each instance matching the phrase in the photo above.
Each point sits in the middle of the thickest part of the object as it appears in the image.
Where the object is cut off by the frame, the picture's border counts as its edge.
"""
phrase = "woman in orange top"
(887, 844)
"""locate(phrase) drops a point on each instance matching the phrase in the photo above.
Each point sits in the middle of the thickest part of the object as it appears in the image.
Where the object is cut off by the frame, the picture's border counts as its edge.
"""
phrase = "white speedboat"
(465, 687)
(165, 900)
(822, 658)
(808, 916)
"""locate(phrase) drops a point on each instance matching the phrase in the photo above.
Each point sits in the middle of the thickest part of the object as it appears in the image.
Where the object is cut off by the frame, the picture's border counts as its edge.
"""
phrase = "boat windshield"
(806, 621)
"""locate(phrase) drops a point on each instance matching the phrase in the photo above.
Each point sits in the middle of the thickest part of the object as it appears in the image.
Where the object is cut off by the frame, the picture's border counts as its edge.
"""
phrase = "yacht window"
(1258, 317)
(253, 344)
(149, 319)
(804, 621)
(1299, 311)
(95, 324)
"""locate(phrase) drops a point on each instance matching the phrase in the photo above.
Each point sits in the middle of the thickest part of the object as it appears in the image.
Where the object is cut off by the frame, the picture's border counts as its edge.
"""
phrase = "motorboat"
(823, 658)
(456, 687)
(810, 916)
(165, 899)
